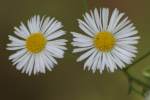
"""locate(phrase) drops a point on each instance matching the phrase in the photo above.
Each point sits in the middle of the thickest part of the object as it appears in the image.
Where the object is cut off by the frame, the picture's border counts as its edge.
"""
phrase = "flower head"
(109, 40)
(37, 45)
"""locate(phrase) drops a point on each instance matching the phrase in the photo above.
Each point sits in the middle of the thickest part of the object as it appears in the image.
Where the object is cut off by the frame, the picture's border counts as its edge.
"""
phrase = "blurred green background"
(68, 81)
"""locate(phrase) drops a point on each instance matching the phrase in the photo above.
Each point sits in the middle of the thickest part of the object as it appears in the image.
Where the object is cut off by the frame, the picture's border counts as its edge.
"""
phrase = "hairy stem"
(138, 60)
(137, 91)
(132, 78)
(137, 80)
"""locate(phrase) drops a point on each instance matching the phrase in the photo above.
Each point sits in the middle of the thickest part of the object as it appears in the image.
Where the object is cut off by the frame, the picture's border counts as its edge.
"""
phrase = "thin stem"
(85, 4)
(138, 60)
(135, 79)
(137, 91)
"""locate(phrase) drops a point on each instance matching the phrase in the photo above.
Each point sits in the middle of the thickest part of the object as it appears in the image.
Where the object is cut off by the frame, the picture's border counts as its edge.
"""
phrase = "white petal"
(121, 25)
(81, 49)
(127, 29)
(117, 61)
(47, 62)
(105, 15)
(41, 23)
(99, 65)
(82, 40)
(19, 33)
(91, 22)
(79, 44)
(15, 48)
(46, 24)
(93, 17)
(37, 67)
(53, 28)
(90, 60)
(24, 29)
(128, 39)
(127, 47)
(122, 57)
(18, 54)
(16, 40)
(111, 65)
(50, 57)
(80, 36)
(42, 65)
(115, 18)
(97, 19)
(13, 44)
(129, 42)
(22, 61)
(125, 52)
(57, 46)
(56, 35)
(84, 29)
(55, 51)
(104, 62)
(59, 42)
(30, 26)
(30, 66)
(126, 34)
(85, 55)
(96, 61)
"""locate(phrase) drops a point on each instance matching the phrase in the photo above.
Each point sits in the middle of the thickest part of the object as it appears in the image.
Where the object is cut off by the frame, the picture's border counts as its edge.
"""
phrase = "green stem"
(85, 4)
(137, 91)
(131, 78)
(138, 60)
(134, 78)
(137, 80)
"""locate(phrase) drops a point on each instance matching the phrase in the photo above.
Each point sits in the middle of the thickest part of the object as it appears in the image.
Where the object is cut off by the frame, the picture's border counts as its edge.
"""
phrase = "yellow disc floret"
(104, 41)
(36, 42)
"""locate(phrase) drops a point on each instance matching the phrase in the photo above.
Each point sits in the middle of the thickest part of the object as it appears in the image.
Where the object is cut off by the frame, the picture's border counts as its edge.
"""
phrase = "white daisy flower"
(108, 43)
(147, 96)
(37, 45)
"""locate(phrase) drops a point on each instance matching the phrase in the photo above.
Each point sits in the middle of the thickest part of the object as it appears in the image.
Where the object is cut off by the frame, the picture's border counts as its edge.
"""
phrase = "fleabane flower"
(37, 45)
(108, 40)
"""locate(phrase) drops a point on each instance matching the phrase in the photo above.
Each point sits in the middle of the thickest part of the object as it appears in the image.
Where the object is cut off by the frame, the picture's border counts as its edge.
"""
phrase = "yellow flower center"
(36, 42)
(104, 41)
